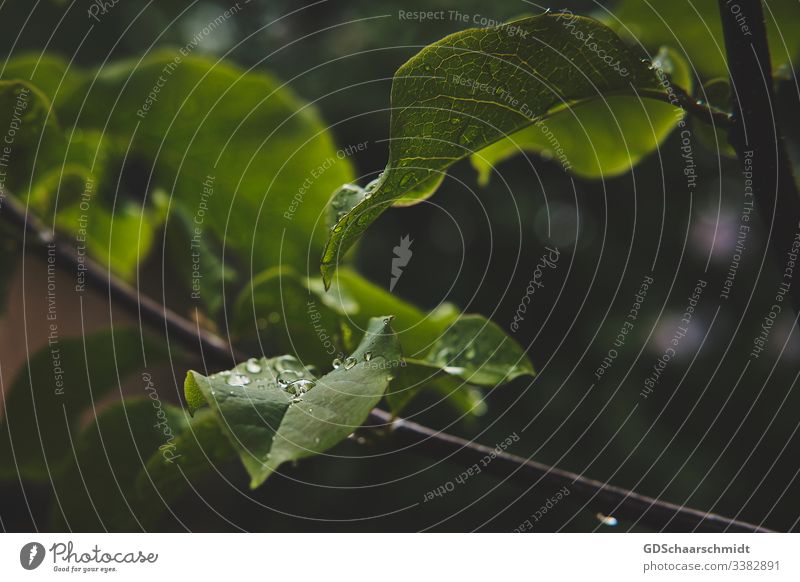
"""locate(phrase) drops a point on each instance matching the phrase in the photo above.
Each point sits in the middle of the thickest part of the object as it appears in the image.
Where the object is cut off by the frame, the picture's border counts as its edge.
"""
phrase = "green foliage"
(598, 138)
(203, 131)
(477, 87)
(56, 387)
(96, 490)
(477, 350)
(695, 29)
(275, 411)
(444, 349)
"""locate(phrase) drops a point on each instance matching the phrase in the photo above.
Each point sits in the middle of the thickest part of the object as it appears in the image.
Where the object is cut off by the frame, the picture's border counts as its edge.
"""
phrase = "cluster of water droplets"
(350, 361)
(291, 376)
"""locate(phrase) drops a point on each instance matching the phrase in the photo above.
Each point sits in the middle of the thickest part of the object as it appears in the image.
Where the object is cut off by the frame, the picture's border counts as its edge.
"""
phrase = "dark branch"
(627, 504)
(703, 111)
(755, 134)
(155, 314)
(602, 497)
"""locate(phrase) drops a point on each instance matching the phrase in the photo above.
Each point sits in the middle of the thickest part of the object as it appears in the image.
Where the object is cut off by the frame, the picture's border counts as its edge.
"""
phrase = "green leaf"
(26, 116)
(212, 123)
(414, 375)
(280, 310)
(294, 314)
(96, 490)
(55, 388)
(695, 28)
(478, 351)
(208, 122)
(274, 411)
(476, 87)
(199, 448)
(599, 138)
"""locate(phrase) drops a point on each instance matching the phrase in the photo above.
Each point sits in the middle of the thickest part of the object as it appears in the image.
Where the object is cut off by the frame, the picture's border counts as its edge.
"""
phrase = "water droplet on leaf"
(253, 366)
(238, 380)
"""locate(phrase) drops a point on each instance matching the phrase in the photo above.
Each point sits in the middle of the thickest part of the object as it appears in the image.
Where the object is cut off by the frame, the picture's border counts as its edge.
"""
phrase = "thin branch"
(604, 498)
(755, 134)
(438, 445)
(154, 313)
(702, 111)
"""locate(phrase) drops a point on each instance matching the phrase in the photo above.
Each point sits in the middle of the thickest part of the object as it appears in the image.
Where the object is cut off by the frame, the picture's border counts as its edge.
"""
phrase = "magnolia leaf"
(478, 351)
(695, 27)
(275, 411)
(598, 138)
(478, 86)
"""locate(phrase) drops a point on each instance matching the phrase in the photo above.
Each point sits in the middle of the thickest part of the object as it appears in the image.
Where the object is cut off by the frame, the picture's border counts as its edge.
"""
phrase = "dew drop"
(337, 363)
(607, 519)
(238, 380)
(253, 366)
(287, 377)
(288, 363)
(349, 363)
(300, 387)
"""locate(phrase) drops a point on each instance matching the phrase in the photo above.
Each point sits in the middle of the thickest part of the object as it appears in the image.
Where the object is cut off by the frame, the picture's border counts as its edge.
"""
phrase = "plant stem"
(157, 315)
(603, 497)
(627, 504)
(703, 112)
(755, 134)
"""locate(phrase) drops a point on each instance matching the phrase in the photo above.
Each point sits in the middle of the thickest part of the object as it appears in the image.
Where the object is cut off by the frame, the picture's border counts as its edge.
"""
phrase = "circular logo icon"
(31, 555)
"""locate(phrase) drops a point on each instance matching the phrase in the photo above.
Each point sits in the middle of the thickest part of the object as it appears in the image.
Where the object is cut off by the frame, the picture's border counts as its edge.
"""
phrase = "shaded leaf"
(96, 490)
(274, 411)
(695, 28)
(478, 351)
(478, 86)
(600, 137)
(51, 393)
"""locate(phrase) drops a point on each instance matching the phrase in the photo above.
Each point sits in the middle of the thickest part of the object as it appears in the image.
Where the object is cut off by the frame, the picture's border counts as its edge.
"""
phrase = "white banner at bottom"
(401, 557)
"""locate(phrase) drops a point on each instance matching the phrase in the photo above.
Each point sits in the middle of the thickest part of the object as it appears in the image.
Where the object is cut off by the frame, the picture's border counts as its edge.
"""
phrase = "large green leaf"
(67, 176)
(271, 163)
(478, 86)
(598, 138)
(179, 124)
(695, 29)
(275, 411)
(294, 314)
(56, 387)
